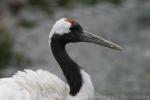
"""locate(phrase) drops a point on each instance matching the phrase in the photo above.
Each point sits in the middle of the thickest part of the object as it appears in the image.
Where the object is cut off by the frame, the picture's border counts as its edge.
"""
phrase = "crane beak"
(90, 37)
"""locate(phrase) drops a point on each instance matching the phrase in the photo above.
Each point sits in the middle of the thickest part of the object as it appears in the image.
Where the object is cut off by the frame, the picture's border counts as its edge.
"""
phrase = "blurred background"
(116, 75)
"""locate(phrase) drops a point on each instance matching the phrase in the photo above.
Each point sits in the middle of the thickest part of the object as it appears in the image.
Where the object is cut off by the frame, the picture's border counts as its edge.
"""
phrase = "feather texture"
(42, 85)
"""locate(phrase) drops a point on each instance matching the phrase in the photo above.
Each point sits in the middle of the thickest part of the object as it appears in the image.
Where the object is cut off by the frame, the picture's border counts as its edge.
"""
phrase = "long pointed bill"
(89, 37)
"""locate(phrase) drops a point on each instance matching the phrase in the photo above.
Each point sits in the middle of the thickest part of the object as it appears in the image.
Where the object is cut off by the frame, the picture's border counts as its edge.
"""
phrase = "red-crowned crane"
(43, 85)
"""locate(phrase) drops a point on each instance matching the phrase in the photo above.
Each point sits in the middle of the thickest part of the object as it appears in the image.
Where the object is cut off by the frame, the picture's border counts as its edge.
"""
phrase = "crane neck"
(70, 69)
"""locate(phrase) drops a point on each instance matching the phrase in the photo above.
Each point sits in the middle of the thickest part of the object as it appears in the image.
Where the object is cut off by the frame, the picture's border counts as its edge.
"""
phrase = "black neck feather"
(70, 69)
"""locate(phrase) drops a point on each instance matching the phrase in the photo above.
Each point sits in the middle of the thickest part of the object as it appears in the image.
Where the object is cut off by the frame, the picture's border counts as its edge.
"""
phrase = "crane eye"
(76, 28)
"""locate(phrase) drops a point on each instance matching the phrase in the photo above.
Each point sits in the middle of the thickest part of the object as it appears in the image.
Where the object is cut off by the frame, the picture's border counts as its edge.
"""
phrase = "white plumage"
(41, 85)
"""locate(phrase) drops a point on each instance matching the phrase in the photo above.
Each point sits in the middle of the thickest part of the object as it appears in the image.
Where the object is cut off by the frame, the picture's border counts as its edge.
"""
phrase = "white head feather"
(60, 27)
